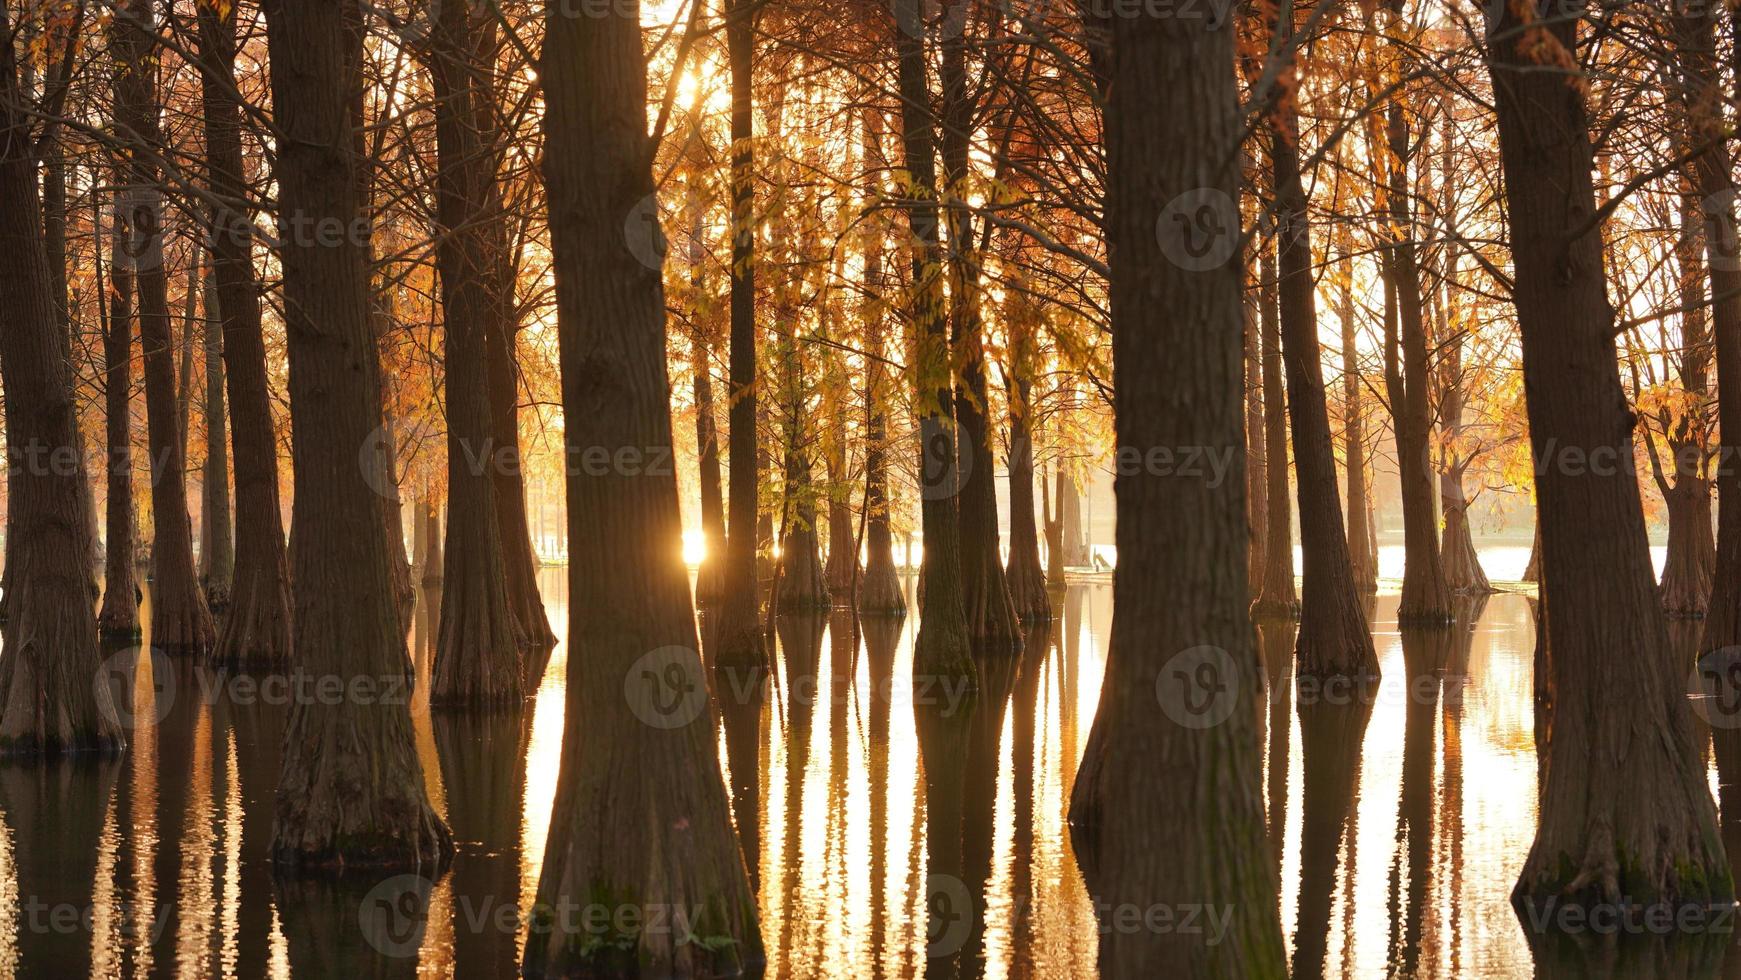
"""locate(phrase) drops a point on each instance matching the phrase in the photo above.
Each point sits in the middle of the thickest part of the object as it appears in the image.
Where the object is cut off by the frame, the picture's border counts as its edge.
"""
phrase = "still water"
(1397, 861)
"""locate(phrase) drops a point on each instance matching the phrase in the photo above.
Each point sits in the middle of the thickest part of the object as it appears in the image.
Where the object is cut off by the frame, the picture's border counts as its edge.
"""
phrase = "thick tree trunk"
(351, 791)
(119, 614)
(477, 648)
(641, 817)
(256, 628)
(991, 616)
(1179, 784)
(1333, 640)
(54, 231)
(217, 546)
(1625, 811)
(1276, 597)
(1054, 524)
(941, 649)
(180, 620)
(48, 703)
(739, 640)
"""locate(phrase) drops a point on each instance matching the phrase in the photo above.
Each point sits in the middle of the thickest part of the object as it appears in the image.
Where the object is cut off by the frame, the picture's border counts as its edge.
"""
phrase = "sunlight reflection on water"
(1405, 868)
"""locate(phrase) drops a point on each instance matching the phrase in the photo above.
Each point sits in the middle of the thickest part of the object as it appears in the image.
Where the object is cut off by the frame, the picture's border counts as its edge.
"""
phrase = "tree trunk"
(880, 592)
(738, 634)
(1333, 640)
(991, 616)
(1276, 598)
(54, 227)
(1461, 562)
(256, 628)
(1426, 598)
(802, 587)
(217, 550)
(641, 817)
(48, 703)
(1256, 458)
(351, 791)
(1027, 579)
(1685, 586)
(119, 615)
(477, 649)
(941, 649)
(1179, 784)
(180, 620)
(1354, 440)
(709, 581)
(1625, 812)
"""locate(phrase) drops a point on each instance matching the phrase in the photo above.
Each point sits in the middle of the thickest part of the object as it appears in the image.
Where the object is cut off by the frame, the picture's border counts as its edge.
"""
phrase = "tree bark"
(1691, 560)
(180, 621)
(119, 615)
(641, 817)
(1333, 640)
(738, 634)
(991, 616)
(1625, 812)
(1426, 598)
(1354, 441)
(48, 703)
(477, 649)
(351, 791)
(1277, 597)
(1026, 577)
(1256, 458)
(709, 582)
(256, 628)
(217, 546)
(941, 649)
(1175, 787)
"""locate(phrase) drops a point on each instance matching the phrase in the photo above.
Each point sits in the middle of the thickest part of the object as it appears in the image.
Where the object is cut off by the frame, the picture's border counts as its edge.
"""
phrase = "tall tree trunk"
(217, 550)
(709, 582)
(180, 621)
(1691, 561)
(351, 791)
(1027, 579)
(1333, 640)
(477, 649)
(991, 617)
(1256, 458)
(54, 226)
(1426, 598)
(119, 614)
(1277, 597)
(641, 812)
(1462, 563)
(1354, 438)
(739, 636)
(880, 592)
(48, 703)
(941, 649)
(1179, 784)
(801, 585)
(256, 628)
(1625, 810)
